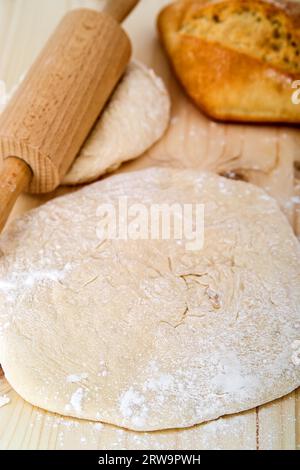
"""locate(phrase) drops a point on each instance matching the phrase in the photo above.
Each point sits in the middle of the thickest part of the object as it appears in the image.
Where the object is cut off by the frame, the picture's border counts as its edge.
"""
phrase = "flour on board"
(4, 400)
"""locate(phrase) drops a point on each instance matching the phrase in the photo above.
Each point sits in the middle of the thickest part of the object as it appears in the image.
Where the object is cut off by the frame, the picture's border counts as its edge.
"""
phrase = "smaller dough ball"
(136, 117)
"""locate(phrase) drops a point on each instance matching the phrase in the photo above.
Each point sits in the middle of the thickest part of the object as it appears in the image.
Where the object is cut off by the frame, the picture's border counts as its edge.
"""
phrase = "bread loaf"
(237, 59)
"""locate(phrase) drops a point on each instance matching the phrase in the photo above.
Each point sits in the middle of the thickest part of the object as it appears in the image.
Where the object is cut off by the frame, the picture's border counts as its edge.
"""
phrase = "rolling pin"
(48, 119)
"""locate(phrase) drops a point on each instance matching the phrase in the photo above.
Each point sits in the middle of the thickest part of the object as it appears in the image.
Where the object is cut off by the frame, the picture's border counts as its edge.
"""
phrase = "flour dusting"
(4, 400)
(132, 405)
(185, 337)
(18, 281)
(163, 382)
(76, 400)
(75, 378)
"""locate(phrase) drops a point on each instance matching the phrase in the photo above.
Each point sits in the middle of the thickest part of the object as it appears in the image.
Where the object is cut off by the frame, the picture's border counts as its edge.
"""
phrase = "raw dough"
(136, 117)
(145, 334)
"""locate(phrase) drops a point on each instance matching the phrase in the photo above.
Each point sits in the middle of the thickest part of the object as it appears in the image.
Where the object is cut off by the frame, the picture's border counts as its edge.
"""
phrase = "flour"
(75, 378)
(132, 405)
(4, 400)
(76, 401)
(231, 379)
(19, 281)
(163, 382)
(186, 337)
(136, 117)
(129, 401)
(4, 327)
(98, 426)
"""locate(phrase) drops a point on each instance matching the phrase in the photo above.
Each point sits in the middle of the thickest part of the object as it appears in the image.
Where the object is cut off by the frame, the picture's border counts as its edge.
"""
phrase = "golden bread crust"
(226, 72)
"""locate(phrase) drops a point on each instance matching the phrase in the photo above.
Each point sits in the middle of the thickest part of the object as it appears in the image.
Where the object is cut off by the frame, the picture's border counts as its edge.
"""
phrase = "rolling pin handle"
(15, 178)
(119, 9)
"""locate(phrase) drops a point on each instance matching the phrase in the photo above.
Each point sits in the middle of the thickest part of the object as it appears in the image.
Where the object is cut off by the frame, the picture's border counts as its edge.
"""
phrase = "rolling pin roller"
(48, 119)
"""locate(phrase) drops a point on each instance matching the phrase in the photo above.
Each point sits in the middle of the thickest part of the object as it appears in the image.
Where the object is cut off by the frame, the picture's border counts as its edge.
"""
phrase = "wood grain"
(119, 9)
(15, 176)
(262, 155)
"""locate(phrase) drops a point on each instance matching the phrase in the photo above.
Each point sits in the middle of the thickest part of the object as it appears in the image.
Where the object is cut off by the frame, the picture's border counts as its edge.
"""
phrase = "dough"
(136, 117)
(146, 334)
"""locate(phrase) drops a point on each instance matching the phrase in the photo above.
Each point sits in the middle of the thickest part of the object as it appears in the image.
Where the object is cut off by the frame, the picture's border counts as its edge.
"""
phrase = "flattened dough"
(135, 118)
(145, 334)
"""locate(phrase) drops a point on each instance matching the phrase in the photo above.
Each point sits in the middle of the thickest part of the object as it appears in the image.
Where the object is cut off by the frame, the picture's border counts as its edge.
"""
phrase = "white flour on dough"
(145, 334)
(135, 118)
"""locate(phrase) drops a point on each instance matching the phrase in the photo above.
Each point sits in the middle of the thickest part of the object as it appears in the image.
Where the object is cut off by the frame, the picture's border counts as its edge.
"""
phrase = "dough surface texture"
(145, 334)
(135, 118)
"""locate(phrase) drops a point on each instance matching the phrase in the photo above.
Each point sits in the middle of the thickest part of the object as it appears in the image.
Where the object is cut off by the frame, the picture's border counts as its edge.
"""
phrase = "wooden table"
(266, 156)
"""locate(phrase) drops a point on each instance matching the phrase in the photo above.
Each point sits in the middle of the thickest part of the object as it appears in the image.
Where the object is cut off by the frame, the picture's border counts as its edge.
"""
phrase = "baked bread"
(236, 59)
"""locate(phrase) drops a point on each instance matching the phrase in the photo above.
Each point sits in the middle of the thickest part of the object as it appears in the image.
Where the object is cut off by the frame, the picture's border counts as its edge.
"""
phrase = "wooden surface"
(266, 156)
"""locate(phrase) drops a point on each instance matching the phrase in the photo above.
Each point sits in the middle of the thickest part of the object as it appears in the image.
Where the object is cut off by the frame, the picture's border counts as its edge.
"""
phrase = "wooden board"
(266, 156)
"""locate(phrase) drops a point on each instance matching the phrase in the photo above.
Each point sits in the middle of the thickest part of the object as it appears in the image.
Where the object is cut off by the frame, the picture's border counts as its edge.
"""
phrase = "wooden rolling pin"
(48, 119)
